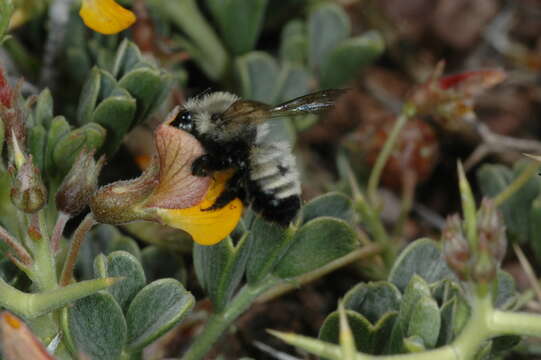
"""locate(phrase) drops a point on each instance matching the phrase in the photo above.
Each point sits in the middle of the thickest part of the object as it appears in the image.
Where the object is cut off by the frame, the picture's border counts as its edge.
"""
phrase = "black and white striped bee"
(234, 134)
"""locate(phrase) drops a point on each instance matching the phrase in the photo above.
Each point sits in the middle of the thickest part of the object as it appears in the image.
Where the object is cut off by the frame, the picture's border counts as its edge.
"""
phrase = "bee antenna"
(204, 92)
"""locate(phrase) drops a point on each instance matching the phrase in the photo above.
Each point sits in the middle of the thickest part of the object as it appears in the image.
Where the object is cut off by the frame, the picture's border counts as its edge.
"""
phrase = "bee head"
(183, 120)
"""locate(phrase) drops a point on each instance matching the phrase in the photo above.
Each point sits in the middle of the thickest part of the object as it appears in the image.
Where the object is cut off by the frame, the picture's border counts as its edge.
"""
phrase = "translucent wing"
(256, 112)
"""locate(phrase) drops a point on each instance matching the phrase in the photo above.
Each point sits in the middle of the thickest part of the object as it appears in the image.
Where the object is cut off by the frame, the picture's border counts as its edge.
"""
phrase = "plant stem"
(218, 323)
(19, 250)
(61, 221)
(33, 305)
(517, 183)
(515, 323)
(376, 229)
(280, 289)
(43, 269)
(468, 207)
(75, 246)
(383, 156)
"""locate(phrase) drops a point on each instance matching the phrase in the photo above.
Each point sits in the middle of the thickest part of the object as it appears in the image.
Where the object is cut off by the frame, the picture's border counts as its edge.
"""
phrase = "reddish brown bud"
(491, 231)
(456, 250)
(28, 192)
(79, 184)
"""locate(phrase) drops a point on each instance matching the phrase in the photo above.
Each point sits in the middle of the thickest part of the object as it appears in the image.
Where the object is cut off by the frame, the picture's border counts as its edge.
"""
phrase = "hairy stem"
(34, 305)
(218, 323)
(360, 253)
(18, 249)
(61, 221)
(75, 246)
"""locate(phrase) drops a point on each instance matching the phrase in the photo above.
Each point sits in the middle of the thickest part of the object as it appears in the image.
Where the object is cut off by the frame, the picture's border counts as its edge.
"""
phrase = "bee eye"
(183, 120)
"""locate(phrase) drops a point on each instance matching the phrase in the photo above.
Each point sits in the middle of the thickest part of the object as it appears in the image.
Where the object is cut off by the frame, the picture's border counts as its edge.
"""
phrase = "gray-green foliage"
(122, 97)
(269, 253)
(127, 316)
(421, 306)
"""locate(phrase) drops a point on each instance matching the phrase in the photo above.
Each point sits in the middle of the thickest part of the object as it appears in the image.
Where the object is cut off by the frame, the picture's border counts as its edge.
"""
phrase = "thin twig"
(19, 250)
(530, 275)
(58, 230)
(363, 252)
(75, 246)
(519, 181)
(383, 156)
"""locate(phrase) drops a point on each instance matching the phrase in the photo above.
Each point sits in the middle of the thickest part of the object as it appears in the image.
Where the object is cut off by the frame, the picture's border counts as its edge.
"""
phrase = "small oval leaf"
(157, 308)
(97, 327)
(317, 243)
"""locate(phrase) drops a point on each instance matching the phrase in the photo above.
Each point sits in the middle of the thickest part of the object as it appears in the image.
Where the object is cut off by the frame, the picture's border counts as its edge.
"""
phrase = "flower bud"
(28, 192)
(491, 231)
(79, 184)
(456, 249)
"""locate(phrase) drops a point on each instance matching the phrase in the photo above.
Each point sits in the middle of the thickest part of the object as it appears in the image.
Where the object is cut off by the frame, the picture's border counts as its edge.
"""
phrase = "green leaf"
(294, 43)
(125, 265)
(505, 293)
(516, 210)
(328, 25)
(349, 58)
(157, 308)
(6, 10)
(317, 243)
(454, 315)
(294, 82)
(58, 129)
(425, 321)
(37, 140)
(369, 338)
(148, 86)
(417, 290)
(373, 300)
(240, 22)
(43, 113)
(116, 114)
(258, 73)
(127, 57)
(97, 327)
(331, 204)
(91, 136)
(422, 257)
(219, 268)
(89, 97)
(270, 242)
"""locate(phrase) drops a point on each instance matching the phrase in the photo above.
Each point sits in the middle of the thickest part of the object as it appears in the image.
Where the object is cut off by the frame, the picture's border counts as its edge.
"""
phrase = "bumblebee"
(234, 134)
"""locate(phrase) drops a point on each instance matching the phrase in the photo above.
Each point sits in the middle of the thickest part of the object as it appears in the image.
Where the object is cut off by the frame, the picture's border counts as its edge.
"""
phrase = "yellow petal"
(206, 227)
(106, 16)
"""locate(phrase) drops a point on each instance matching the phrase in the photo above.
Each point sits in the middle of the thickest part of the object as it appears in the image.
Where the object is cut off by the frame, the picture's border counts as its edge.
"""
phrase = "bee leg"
(206, 164)
(232, 190)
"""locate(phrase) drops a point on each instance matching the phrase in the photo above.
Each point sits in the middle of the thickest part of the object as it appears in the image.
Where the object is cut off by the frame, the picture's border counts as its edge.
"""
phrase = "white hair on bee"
(262, 132)
(273, 167)
(205, 106)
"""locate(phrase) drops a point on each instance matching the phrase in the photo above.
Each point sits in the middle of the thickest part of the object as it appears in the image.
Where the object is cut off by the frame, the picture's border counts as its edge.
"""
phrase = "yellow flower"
(168, 193)
(106, 16)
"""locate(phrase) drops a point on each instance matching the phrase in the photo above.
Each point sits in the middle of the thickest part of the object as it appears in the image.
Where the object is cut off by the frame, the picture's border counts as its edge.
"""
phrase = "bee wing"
(312, 103)
(256, 112)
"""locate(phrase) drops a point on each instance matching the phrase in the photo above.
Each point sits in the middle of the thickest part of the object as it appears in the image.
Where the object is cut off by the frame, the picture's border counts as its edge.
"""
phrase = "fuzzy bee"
(234, 134)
